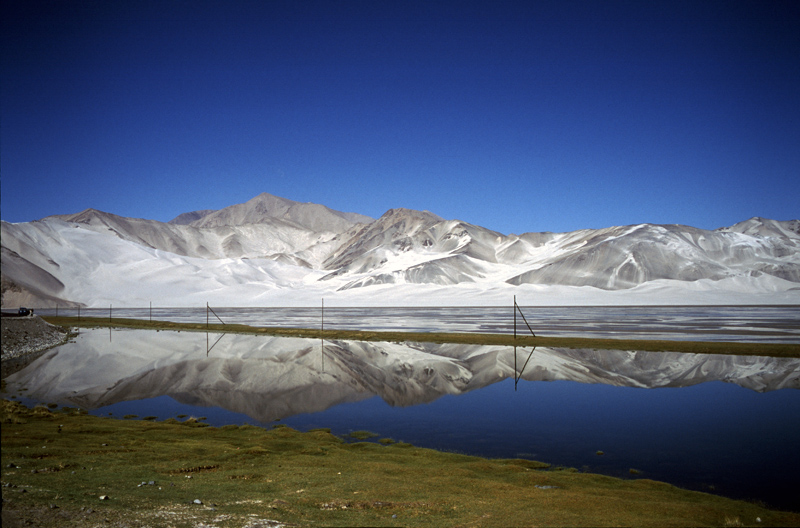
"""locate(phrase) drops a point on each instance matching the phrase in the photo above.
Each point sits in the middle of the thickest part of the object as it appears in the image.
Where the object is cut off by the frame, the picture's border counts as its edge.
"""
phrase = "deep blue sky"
(517, 116)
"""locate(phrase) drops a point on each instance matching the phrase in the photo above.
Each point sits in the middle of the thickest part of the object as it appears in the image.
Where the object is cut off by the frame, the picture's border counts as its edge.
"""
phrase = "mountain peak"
(85, 217)
(402, 212)
(266, 208)
(766, 227)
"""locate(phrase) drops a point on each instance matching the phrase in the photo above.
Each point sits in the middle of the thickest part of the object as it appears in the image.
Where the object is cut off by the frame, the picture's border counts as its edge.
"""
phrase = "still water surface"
(725, 424)
(779, 324)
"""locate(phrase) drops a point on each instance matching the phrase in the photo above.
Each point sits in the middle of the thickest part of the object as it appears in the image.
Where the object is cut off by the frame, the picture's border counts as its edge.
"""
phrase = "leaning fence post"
(517, 308)
(208, 308)
(515, 319)
(322, 335)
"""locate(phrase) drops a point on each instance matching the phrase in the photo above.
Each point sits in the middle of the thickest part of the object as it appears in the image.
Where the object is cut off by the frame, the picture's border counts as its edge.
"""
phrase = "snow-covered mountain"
(271, 251)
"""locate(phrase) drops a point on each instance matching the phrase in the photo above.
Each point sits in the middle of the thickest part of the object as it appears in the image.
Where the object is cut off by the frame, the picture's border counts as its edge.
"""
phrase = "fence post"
(209, 308)
(109, 313)
(517, 308)
(322, 335)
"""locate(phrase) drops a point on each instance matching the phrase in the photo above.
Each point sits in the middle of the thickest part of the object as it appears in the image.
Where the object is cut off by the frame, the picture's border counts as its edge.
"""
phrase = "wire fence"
(411, 319)
(777, 324)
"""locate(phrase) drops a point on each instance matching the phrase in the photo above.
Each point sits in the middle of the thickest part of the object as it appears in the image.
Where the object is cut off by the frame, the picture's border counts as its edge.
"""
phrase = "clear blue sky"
(517, 116)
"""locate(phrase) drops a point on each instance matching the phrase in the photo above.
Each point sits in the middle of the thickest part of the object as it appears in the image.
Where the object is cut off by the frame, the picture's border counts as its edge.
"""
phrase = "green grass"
(361, 435)
(66, 460)
(647, 345)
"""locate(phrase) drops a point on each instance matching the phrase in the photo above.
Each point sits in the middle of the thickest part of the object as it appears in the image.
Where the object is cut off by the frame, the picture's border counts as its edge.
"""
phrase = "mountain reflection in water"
(304, 383)
(270, 378)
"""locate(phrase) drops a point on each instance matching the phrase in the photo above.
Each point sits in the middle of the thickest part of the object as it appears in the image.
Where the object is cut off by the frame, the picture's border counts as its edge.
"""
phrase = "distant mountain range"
(271, 251)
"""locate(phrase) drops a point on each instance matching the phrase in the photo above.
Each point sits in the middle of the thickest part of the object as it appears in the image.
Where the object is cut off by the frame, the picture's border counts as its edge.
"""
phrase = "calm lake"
(777, 324)
(723, 424)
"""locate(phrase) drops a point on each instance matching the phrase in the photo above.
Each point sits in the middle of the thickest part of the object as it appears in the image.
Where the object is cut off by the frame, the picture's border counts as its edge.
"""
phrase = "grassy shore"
(648, 345)
(67, 468)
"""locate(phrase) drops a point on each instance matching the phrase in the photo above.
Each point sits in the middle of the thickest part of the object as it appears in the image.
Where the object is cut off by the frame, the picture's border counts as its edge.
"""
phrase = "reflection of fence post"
(208, 348)
(151, 311)
(109, 313)
(519, 377)
(79, 312)
(206, 315)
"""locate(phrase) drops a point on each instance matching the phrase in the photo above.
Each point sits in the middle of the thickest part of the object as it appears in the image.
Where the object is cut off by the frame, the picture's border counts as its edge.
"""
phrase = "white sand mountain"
(268, 208)
(411, 247)
(273, 251)
(188, 218)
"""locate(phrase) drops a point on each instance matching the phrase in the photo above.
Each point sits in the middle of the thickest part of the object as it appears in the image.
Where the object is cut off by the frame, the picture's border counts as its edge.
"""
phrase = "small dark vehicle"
(25, 311)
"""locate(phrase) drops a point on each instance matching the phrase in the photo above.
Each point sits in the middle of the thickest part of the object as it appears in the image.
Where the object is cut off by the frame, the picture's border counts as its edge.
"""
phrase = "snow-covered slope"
(271, 251)
(624, 257)
(763, 227)
(95, 268)
(412, 247)
(273, 238)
